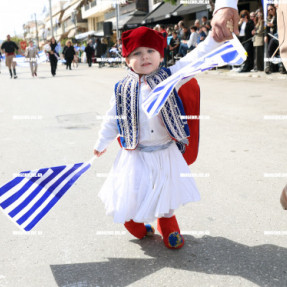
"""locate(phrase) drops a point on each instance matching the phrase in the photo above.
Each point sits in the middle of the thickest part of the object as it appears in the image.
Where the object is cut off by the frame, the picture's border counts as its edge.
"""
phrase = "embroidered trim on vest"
(126, 93)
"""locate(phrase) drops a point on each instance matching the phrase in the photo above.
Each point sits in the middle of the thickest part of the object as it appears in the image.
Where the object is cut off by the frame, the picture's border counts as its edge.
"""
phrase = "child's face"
(144, 60)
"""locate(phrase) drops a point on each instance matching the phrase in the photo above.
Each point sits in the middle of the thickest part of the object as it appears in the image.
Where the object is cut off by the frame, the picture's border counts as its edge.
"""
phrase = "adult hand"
(220, 31)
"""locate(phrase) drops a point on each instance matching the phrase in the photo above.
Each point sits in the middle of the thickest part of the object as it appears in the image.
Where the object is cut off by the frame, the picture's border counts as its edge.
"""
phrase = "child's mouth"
(146, 64)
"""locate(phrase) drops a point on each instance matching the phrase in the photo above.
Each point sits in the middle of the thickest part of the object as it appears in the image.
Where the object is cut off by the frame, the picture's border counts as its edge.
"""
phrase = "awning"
(135, 21)
(84, 35)
(123, 19)
(99, 33)
(68, 12)
(56, 18)
(72, 33)
(163, 11)
(129, 20)
(189, 9)
(58, 38)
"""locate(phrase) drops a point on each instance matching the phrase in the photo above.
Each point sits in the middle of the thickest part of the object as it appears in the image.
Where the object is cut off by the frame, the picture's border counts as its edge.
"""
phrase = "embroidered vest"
(127, 109)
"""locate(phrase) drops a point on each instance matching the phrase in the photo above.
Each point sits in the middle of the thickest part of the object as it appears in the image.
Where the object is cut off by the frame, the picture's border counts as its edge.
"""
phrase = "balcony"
(95, 8)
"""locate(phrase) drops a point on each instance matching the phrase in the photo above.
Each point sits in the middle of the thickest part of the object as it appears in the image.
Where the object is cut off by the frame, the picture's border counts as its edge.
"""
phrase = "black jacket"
(9, 47)
(248, 30)
(69, 52)
(89, 50)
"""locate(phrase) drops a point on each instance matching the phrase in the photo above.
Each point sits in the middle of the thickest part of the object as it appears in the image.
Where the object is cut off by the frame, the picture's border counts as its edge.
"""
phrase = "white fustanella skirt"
(143, 186)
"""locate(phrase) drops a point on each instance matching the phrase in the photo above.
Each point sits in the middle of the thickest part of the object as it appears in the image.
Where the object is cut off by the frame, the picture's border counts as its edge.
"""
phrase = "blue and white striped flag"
(30, 195)
(230, 52)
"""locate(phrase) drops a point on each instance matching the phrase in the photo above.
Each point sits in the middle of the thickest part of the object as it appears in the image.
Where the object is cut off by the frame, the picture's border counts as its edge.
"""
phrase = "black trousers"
(53, 63)
(89, 60)
(259, 58)
(249, 63)
(69, 61)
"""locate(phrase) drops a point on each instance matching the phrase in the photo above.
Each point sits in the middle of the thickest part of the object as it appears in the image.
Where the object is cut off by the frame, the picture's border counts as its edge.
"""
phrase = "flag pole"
(92, 159)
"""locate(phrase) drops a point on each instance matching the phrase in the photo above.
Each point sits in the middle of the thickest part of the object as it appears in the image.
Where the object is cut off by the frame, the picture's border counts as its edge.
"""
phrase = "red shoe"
(139, 230)
(169, 229)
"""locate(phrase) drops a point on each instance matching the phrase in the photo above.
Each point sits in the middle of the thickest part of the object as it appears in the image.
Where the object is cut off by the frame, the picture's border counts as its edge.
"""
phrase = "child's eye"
(150, 51)
(137, 53)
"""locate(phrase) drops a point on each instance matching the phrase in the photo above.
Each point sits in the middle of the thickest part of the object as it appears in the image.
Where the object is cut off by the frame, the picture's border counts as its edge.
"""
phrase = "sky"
(15, 13)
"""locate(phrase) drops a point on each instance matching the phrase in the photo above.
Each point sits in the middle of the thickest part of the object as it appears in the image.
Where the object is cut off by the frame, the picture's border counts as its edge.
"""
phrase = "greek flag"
(31, 194)
(230, 52)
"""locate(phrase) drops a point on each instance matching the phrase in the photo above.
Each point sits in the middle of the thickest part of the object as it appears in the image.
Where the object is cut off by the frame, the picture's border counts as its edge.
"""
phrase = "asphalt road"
(235, 236)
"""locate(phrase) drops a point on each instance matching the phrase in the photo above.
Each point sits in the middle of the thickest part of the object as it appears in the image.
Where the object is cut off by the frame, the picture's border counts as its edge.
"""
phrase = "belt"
(152, 148)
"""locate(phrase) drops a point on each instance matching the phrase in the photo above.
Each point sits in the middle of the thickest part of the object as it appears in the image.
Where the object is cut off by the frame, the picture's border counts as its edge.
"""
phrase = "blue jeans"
(182, 49)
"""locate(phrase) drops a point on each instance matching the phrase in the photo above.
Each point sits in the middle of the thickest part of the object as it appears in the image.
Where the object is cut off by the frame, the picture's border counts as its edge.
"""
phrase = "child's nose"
(145, 55)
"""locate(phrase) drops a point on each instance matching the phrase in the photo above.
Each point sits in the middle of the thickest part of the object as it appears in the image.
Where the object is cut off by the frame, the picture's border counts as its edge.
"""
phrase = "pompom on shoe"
(149, 230)
(175, 240)
(139, 230)
(169, 229)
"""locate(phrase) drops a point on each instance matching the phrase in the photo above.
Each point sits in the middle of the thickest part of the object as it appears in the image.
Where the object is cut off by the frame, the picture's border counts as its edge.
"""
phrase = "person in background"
(188, 45)
(205, 23)
(197, 24)
(271, 29)
(69, 52)
(246, 26)
(31, 53)
(253, 17)
(76, 56)
(173, 46)
(164, 33)
(90, 51)
(203, 32)
(104, 43)
(9, 48)
(156, 27)
(53, 56)
(181, 30)
(258, 42)
(176, 29)
(169, 31)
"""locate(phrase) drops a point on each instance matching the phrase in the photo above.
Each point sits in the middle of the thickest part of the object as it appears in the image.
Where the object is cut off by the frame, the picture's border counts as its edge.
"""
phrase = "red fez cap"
(142, 37)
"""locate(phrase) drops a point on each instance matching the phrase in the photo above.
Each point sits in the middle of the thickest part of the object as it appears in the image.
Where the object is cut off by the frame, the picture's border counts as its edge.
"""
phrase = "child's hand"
(98, 153)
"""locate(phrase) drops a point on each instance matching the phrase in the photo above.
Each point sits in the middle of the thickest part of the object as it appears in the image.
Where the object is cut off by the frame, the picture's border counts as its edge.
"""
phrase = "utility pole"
(117, 17)
(36, 25)
(52, 30)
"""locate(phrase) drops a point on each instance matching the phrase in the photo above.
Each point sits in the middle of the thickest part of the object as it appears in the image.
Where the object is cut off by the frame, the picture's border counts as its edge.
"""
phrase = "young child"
(31, 54)
(145, 183)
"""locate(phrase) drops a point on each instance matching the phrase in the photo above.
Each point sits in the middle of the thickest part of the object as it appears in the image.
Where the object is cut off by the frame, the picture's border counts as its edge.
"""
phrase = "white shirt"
(192, 40)
(242, 29)
(151, 131)
(225, 3)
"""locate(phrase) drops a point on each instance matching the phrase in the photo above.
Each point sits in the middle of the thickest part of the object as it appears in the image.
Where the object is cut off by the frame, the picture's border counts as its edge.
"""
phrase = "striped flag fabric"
(230, 52)
(28, 197)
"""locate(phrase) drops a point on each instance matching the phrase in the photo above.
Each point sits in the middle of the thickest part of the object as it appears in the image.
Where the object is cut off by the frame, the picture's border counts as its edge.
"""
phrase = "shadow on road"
(264, 265)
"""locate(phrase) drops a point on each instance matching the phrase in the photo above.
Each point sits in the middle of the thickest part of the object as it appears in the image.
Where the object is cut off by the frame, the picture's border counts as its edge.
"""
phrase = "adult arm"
(225, 10)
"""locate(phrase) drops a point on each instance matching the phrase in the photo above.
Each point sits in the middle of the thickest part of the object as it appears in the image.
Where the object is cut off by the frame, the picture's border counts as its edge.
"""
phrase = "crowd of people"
(180, 40)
